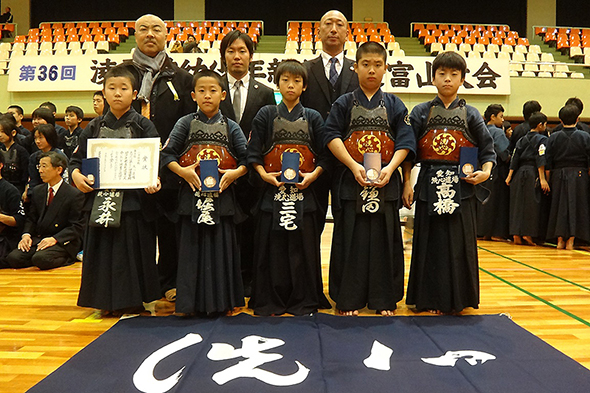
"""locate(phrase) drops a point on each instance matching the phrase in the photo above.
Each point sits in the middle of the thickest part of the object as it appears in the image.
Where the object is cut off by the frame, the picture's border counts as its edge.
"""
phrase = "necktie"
(333, 72)
(50, 198)
(237, 101)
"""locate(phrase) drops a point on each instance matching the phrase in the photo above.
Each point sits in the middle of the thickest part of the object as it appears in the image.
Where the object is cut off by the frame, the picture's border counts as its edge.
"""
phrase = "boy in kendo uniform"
(289, 217)
(444, 270)
(367, 262)
(209, 275)
(119, 272)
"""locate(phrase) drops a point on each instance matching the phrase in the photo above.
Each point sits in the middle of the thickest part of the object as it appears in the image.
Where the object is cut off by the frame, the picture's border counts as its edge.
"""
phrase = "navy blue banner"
(321, 353)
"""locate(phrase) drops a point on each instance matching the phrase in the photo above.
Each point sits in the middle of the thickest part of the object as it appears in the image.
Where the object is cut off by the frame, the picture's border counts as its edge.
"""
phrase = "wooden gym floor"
(546, 291)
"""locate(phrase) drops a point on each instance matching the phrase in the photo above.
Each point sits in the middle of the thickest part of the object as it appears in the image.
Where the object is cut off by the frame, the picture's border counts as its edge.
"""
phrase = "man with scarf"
(164, 96)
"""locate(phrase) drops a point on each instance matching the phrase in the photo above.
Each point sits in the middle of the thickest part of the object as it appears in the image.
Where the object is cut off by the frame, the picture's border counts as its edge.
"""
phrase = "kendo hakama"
(287, 260)
(527, 201)
(119, 270)
(444, 272)
(209, 273)
(568, 157)
(367, 260)
(493, 212)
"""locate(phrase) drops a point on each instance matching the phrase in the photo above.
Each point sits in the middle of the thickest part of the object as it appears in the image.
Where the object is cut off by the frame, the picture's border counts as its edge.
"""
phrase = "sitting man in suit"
(53, 231)
(330, 74)
(245, 96)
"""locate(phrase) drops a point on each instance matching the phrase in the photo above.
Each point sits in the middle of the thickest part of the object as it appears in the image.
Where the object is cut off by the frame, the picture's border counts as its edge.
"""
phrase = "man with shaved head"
(164, 96)
(330, 75)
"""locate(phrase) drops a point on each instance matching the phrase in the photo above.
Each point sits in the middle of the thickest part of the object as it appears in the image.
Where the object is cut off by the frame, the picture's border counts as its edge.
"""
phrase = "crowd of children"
(119, 272)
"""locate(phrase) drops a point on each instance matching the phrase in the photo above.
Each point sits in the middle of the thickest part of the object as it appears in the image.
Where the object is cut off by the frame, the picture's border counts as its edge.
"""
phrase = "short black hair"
(45, 114)
(98, 93)
(56, 159)
(77, 110)
(506, 125)
(569, 115)
(210, 74)
(230, 38)
(529, 108)
(7, 124)
(50, 105)
(119, 71)
(19, 109)
(48, 131)
(492, 109)
(536, 119)
(449, 60)
(577, 102)
(292, 67)
(373, 48)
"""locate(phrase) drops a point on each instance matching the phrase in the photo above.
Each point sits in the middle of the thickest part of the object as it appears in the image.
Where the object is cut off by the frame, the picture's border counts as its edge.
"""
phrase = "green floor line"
(536, 269)
(569, 314)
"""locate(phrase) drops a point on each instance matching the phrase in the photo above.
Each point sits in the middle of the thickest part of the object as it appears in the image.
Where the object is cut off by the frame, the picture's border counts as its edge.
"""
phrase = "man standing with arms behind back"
(245, 97)
(330, 75)
(164, 96)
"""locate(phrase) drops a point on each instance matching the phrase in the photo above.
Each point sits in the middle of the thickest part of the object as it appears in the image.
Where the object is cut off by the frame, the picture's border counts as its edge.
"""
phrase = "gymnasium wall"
(76, 10)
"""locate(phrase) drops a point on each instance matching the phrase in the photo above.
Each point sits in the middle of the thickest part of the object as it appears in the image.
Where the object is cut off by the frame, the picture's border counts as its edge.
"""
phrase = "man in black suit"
(245, 96)
(163, 96)
(243, 103)
(330, 74)
(53, 231)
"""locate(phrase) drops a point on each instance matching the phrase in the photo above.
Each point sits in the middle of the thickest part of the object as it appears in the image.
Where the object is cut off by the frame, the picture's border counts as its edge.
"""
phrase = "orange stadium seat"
(85, 38)
(118, 24)
(72, 37)
(106, 24)
(469, 40)
(92, 25)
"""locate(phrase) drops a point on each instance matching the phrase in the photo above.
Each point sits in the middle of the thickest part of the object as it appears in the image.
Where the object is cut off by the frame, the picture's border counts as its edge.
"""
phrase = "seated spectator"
(73, 119)
(190, 46)
(12, 217)
(16, 157)
(99, 104)
(24, 136)
(46, 140)
(53, 230)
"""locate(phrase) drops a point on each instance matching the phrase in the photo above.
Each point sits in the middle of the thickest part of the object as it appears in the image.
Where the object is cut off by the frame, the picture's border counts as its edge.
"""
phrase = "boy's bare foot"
(517, 239)
(528, 240)
(386, 313)
(436, 312)
(569, 245)
(353, 313)
(560, 243)
(498, 239)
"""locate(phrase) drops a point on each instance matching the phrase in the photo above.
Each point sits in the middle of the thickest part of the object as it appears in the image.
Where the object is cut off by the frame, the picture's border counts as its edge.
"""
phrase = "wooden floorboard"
(544, 290)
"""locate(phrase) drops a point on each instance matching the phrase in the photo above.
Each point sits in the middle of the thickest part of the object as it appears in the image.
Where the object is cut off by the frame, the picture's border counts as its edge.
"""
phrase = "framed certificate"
(126, 163)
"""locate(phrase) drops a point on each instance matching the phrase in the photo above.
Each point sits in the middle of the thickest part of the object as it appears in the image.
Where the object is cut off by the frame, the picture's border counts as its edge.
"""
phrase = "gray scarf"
(149, 67)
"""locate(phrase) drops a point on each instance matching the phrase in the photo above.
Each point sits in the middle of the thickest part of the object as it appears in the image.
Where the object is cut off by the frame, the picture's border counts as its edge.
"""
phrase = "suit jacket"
(259, 95)
(317, 95)
(62, 219)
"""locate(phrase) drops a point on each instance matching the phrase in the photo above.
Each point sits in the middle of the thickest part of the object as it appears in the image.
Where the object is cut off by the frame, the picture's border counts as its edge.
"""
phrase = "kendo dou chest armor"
(208, 142)
(11, 168)
(293, 137)
(446, 132)
(369, 132)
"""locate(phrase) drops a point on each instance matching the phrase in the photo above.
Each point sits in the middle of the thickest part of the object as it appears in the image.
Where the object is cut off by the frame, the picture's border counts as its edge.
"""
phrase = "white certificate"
(126, 163)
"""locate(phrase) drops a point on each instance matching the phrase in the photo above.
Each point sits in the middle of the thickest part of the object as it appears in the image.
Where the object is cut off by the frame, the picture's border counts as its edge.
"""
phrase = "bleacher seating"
(498, 41)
